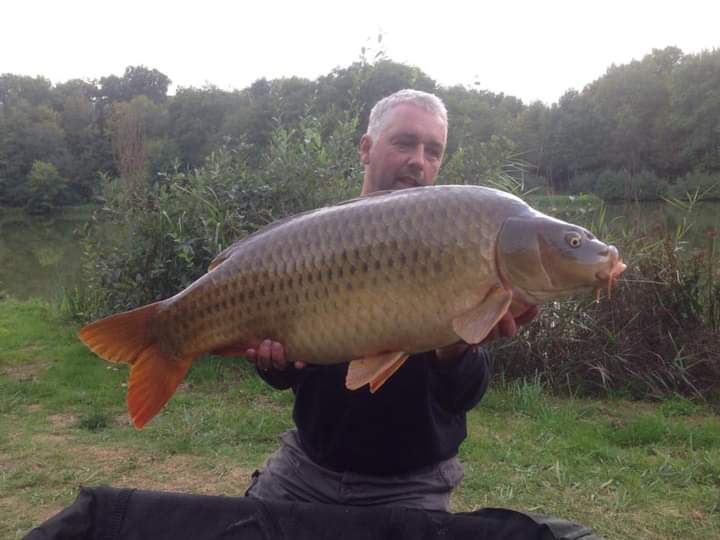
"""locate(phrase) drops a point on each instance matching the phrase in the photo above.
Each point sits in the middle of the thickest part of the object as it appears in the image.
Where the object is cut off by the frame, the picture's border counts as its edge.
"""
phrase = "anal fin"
(373, 370)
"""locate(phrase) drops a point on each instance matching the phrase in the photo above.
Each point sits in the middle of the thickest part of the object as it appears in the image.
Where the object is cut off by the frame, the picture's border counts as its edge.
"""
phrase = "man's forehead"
(410, 119)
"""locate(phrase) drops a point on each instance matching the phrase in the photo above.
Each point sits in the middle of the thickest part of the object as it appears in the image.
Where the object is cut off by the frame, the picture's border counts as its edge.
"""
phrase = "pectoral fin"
(474, 325)
(373, 370)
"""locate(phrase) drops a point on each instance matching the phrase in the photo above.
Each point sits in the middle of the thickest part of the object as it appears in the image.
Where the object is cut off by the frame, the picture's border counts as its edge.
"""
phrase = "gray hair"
(430, 102)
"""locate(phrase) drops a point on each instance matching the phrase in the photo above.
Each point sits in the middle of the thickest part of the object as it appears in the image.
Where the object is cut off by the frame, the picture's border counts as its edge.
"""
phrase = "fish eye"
(573, 239)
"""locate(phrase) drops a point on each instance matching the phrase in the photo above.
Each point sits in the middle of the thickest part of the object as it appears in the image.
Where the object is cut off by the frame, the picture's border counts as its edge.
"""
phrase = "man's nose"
(417, 157)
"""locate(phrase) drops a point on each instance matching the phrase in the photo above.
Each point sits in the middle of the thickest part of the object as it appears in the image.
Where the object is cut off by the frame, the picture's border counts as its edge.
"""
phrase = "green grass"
(629, 469)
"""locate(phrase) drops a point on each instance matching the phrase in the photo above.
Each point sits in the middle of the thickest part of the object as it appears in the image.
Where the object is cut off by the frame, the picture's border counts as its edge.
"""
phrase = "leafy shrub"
(647, 186)
(612, 185)
(583, 183)
(45, 186)
(494, 163)
(705, 184)
(165, 233)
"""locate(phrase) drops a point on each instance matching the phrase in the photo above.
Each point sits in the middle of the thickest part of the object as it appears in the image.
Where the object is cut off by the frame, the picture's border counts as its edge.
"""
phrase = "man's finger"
(277, 356)
(507, 326)
(528, 315)
(264, 361)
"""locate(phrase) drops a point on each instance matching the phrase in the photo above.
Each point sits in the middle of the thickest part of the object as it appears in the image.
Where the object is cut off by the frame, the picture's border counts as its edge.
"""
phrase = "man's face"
(407, 152)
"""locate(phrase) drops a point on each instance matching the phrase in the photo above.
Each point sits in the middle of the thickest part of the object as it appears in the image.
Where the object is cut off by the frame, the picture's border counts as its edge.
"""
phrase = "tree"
(695, 116)
(128, 140)
(136, 81)
(45, 187)
(33, 90)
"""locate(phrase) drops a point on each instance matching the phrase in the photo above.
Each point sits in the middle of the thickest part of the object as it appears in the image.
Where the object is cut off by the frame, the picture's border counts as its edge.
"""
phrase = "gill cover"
(518, 255)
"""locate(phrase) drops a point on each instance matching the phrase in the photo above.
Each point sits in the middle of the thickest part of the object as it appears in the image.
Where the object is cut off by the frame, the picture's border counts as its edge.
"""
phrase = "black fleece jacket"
(416, 419)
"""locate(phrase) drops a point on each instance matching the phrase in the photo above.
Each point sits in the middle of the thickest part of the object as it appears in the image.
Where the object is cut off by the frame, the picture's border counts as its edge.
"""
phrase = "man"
(398, 446)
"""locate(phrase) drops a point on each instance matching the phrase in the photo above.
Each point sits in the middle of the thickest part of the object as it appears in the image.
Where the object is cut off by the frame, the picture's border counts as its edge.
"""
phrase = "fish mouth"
(608, 277)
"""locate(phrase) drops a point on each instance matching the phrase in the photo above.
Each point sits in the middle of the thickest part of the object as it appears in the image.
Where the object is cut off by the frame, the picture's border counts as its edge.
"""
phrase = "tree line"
(641, 130)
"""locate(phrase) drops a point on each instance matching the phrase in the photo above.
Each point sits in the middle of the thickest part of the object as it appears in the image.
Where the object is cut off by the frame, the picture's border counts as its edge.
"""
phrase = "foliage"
(703, 183)
(656, 118)
(494, 163)
(613, 185)
(45, 186)
(166, 233)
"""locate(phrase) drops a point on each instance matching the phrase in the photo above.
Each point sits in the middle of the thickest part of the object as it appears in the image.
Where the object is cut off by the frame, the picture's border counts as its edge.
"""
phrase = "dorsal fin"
(228, 251)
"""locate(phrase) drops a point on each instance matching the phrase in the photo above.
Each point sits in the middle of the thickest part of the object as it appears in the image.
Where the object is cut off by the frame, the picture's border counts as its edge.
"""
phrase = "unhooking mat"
(105, 513)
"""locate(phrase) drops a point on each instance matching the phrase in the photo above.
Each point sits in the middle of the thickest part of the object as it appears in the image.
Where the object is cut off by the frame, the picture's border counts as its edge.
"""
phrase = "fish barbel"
(369, 281)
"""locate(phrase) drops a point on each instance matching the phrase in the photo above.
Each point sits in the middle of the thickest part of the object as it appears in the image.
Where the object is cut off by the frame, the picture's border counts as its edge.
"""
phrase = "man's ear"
(364, 149)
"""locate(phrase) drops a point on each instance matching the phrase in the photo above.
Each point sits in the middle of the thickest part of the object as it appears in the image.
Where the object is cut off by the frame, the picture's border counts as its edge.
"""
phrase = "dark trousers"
(290, 475)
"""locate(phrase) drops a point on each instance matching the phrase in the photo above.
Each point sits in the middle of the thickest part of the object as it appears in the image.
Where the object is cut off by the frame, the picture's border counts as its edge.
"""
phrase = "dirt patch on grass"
(122, 420)
(24, 372)
(49, 439)
(187, 474)
(75, 465)
(62, 421)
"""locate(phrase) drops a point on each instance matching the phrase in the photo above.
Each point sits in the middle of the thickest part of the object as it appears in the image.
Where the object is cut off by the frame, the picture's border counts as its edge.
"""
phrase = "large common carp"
(369, 281)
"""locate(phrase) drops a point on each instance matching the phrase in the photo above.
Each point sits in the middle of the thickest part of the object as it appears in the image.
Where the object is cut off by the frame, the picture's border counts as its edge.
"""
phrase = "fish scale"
(386, 259)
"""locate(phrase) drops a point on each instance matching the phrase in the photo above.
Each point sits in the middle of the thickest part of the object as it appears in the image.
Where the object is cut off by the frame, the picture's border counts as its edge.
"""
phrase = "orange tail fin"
(154, 376)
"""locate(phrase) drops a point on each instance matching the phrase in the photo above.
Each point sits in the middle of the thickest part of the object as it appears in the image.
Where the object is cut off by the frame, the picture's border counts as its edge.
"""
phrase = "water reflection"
(39, 256)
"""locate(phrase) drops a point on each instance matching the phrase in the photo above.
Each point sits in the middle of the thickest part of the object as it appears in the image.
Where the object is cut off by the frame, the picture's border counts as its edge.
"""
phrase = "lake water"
(40, 255)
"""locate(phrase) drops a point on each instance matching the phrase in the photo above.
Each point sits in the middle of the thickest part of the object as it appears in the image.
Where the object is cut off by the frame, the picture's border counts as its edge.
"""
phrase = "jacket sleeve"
(460, 387)
(281, 380)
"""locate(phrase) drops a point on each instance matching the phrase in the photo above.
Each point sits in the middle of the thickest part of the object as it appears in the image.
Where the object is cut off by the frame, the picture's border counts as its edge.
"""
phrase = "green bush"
(613, 185)
(582, 183)
(493, 163)
(45, 187)
(647, 186)
(165, 233)
(705, 184)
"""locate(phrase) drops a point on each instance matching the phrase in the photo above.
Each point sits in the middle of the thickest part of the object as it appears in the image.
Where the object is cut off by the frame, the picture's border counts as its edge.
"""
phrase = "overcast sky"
(535, 50)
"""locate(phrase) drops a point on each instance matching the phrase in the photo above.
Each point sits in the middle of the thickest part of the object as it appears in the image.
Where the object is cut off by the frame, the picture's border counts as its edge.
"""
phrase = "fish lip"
(615, 267)
(608, 277)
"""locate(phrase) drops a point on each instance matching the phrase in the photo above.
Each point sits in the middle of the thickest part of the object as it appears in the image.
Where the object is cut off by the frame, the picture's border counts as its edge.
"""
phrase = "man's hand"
(271, 355)
(518, 315)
